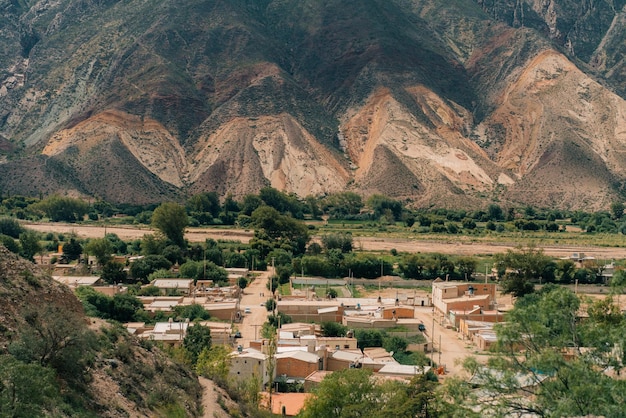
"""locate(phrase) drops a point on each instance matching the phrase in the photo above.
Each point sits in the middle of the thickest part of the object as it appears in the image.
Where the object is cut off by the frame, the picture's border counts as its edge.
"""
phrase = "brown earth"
(458, 246)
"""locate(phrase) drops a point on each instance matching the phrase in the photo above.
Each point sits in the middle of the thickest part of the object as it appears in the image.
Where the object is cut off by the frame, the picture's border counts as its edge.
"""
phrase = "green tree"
(544, 343)
(56, 338)
(72, 249)
(141, 268)
(355, 393)
(113, 273)
(59, 208)
(279, 231)
(368, 338)
(171, 219)
(242, 282)
(333, 329)
(213, 363)
(342, 204)
(381, 205)
(467, 267)
(617, 210)
(10, 227)
(523, 267)
(26, 389)
(101, 248)
(197, 338)
(29, 244)
(9, 243)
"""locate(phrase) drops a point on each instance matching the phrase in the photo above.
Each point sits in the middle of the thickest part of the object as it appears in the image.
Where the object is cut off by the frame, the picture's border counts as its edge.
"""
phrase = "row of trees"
(208, 209)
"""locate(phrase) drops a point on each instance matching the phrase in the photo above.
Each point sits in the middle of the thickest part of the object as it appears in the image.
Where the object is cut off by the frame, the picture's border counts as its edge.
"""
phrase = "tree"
(213, 363)
(197, 338)
(342, 204)
(113, 272)
(54, 337)
(29, 244)
(279, 231)
(340, 241)
(9, 243)
(355, 393)
(617, 210)
(26, 389)
(10, 227)
(467, 267)
(270, 305)
(59, 208)
(141, 268)
(171, 219)
(368, 338)
(242, 282)
(523, 267)
(333, 329)
(72, 249)
(101, 248)
(544, 343)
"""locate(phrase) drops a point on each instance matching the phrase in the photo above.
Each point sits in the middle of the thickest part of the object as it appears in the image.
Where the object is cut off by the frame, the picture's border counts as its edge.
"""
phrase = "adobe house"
(449, 296)
(297, 363)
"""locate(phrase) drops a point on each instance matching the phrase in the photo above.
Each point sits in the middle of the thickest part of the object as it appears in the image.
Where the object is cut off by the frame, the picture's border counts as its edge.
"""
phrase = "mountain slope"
(437, 104)
(97, 368)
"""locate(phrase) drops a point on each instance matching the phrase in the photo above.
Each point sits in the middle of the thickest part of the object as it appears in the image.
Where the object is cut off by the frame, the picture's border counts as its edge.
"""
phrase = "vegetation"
(354, 393)
(566, 361)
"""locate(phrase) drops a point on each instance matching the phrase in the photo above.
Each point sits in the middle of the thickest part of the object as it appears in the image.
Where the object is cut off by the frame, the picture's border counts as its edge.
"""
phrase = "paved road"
(253, 295)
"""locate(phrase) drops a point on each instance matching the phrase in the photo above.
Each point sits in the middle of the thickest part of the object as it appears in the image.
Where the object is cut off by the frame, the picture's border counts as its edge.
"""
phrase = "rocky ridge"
(447, 105)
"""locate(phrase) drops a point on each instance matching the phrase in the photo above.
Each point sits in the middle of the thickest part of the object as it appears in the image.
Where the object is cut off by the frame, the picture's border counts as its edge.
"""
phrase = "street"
(253, 296)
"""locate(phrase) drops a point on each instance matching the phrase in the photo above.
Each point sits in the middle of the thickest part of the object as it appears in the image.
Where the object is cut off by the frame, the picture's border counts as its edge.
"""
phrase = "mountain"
(455, 104)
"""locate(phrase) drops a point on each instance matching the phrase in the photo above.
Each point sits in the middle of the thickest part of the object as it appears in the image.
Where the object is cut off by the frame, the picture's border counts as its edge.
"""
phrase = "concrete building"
(449, 296)
(249, 363)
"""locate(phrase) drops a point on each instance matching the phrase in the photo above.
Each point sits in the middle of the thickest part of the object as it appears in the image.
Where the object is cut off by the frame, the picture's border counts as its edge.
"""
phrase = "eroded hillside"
(436, 104)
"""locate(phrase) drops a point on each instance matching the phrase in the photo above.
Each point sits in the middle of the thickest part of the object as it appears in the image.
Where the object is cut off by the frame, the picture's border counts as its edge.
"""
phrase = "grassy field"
(571, 236)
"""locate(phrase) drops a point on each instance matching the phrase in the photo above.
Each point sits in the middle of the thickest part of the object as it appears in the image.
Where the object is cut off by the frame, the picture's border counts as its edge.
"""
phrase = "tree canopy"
(565, 362)
(171, 219)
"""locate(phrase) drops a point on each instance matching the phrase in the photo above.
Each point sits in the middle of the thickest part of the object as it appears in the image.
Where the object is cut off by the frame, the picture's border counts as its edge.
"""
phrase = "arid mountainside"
(96, 368)
(435, 103)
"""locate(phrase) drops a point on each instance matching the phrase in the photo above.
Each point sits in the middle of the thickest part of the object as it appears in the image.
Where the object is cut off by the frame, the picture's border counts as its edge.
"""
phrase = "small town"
(449, 322)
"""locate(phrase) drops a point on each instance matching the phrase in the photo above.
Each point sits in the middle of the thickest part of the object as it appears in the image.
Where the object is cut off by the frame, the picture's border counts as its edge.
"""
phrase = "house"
(297, 363)
(179, 286)
(249, 363)
(348, 359)
(285, 404)
(75, 281)
(449, 296)
(402, 370)
(311, 310)
(170, 333)
(475, 314)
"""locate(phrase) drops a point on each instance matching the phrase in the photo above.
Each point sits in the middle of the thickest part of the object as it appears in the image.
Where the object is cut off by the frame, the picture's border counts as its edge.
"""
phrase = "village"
(454, 320)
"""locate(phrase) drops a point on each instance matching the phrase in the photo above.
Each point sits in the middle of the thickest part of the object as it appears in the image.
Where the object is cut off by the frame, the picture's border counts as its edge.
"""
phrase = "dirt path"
(210, 405)
(459, 247)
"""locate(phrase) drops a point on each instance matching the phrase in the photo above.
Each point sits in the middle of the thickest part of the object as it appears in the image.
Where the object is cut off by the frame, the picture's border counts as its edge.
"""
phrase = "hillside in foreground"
(55, 361)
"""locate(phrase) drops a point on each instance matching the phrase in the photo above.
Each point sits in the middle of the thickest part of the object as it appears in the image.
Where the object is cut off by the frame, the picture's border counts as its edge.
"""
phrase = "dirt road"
(253, 296)
(131, 232)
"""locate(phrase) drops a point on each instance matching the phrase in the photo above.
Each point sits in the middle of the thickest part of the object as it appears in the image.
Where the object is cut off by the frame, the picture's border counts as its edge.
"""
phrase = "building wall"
(295, 368)
(401, 312)
(244, 368)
